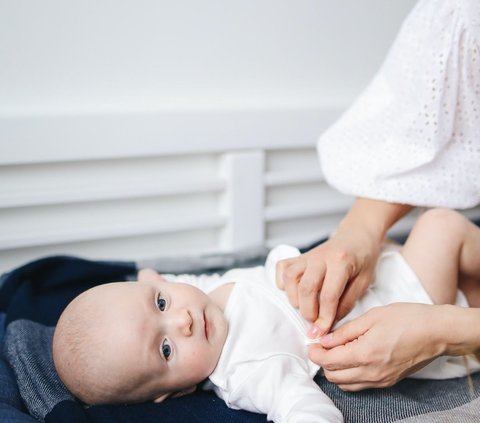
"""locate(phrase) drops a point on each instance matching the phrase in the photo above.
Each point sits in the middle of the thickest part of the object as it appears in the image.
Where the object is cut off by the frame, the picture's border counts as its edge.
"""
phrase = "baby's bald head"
(88, 347)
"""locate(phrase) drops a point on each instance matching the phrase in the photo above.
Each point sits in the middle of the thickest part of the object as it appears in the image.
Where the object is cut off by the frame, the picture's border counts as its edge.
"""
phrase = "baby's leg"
(443, 249)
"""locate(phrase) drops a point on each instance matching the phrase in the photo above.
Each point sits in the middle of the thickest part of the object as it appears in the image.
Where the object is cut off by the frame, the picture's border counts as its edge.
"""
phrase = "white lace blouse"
(413, 136)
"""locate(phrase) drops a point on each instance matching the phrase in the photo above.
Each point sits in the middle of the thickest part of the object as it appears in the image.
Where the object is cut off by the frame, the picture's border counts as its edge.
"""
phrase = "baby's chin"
(219, 338)
(216, 326)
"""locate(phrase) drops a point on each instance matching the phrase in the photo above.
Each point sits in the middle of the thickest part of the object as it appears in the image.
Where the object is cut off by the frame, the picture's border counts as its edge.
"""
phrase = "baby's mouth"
(205, 325)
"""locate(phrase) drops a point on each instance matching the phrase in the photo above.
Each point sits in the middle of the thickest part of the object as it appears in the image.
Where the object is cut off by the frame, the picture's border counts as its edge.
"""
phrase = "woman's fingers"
(302, 279)
(382, 346)
(345, 358)
(280, 269)
(325, 282)
(347, 333)
(288, 274)
(352, 292)
(309, 288)
(291, 278)
(341, 349)
(336, 278)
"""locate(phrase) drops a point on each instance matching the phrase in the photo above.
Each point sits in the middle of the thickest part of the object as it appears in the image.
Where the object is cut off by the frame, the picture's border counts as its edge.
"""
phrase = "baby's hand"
(149, 275)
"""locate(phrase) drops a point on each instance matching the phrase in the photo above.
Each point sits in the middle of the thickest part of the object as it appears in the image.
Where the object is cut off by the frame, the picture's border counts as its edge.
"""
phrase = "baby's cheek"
(200, 364)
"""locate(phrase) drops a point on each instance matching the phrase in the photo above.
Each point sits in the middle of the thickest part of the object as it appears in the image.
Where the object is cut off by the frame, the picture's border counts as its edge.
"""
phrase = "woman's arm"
(325, 282)
(375, 216)
(390, 342)
(462, 328)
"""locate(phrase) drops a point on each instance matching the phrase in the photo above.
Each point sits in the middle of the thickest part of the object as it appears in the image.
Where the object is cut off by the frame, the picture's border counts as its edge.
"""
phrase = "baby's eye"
(166, 349)
(161, 302)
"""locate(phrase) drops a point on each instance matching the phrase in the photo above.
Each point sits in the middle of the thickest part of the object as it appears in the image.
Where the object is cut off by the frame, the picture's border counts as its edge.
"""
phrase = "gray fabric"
(467, 413)
(38, 382)
(408, 398)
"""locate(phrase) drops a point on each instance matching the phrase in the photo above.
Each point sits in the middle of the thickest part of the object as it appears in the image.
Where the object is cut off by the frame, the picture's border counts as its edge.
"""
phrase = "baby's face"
(166, 337)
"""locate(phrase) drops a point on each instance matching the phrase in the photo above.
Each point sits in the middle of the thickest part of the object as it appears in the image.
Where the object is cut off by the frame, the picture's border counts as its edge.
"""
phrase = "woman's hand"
(325, 282)
(385, 345)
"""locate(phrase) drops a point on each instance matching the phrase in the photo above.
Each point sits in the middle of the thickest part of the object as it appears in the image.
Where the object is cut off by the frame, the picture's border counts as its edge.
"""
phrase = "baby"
(162, 335)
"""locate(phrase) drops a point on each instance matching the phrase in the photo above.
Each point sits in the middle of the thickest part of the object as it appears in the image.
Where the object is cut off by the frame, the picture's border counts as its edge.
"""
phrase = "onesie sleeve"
(282, 388)
(413, 135)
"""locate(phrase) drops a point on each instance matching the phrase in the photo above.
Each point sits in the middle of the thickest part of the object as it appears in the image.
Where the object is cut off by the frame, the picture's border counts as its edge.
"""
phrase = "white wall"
(60, 56)
(130, 129)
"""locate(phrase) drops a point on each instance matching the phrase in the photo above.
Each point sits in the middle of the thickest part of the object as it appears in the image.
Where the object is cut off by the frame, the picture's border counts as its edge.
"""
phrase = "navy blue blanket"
(39, 291)
(33, 296)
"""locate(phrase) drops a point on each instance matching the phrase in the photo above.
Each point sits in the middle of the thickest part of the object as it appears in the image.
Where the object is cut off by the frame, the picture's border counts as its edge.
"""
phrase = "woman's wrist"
(372, 217)
(459, 330)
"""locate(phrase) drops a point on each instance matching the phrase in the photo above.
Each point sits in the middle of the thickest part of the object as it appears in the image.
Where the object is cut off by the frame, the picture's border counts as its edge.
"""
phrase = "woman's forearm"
(458, 329)
(374, 216)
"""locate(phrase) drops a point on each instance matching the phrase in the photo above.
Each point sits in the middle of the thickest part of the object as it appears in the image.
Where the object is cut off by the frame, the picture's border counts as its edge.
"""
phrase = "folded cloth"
(40, 387)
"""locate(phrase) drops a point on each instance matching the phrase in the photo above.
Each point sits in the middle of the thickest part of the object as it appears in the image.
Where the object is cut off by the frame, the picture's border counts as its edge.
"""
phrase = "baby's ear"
(149, 275)
(184, 392)
(181, 393)
(162, 398)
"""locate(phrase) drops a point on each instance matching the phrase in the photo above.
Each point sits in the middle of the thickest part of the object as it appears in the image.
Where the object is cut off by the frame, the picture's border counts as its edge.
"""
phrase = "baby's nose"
(184, 322)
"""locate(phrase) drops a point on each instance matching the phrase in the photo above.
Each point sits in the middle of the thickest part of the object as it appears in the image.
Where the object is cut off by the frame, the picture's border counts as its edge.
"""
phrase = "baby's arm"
(443, 250)
(282, 388)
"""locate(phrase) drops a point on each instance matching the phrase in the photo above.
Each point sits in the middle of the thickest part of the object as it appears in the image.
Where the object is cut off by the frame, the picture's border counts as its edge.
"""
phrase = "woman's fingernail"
(314, 331)
(327, 338)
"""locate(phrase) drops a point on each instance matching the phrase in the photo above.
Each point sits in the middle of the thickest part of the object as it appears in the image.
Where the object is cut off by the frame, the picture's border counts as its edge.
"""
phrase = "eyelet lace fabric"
(413, 135)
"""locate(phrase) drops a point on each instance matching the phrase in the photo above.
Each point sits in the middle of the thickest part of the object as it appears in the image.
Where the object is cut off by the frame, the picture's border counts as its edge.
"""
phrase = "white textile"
(413, 136)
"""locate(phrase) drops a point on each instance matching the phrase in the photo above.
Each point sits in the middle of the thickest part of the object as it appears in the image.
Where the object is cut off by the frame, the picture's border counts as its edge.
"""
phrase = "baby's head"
(140, 341)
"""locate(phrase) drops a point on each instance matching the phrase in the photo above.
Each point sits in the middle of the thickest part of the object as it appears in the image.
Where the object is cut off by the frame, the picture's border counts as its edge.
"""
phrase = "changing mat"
(33, 296)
